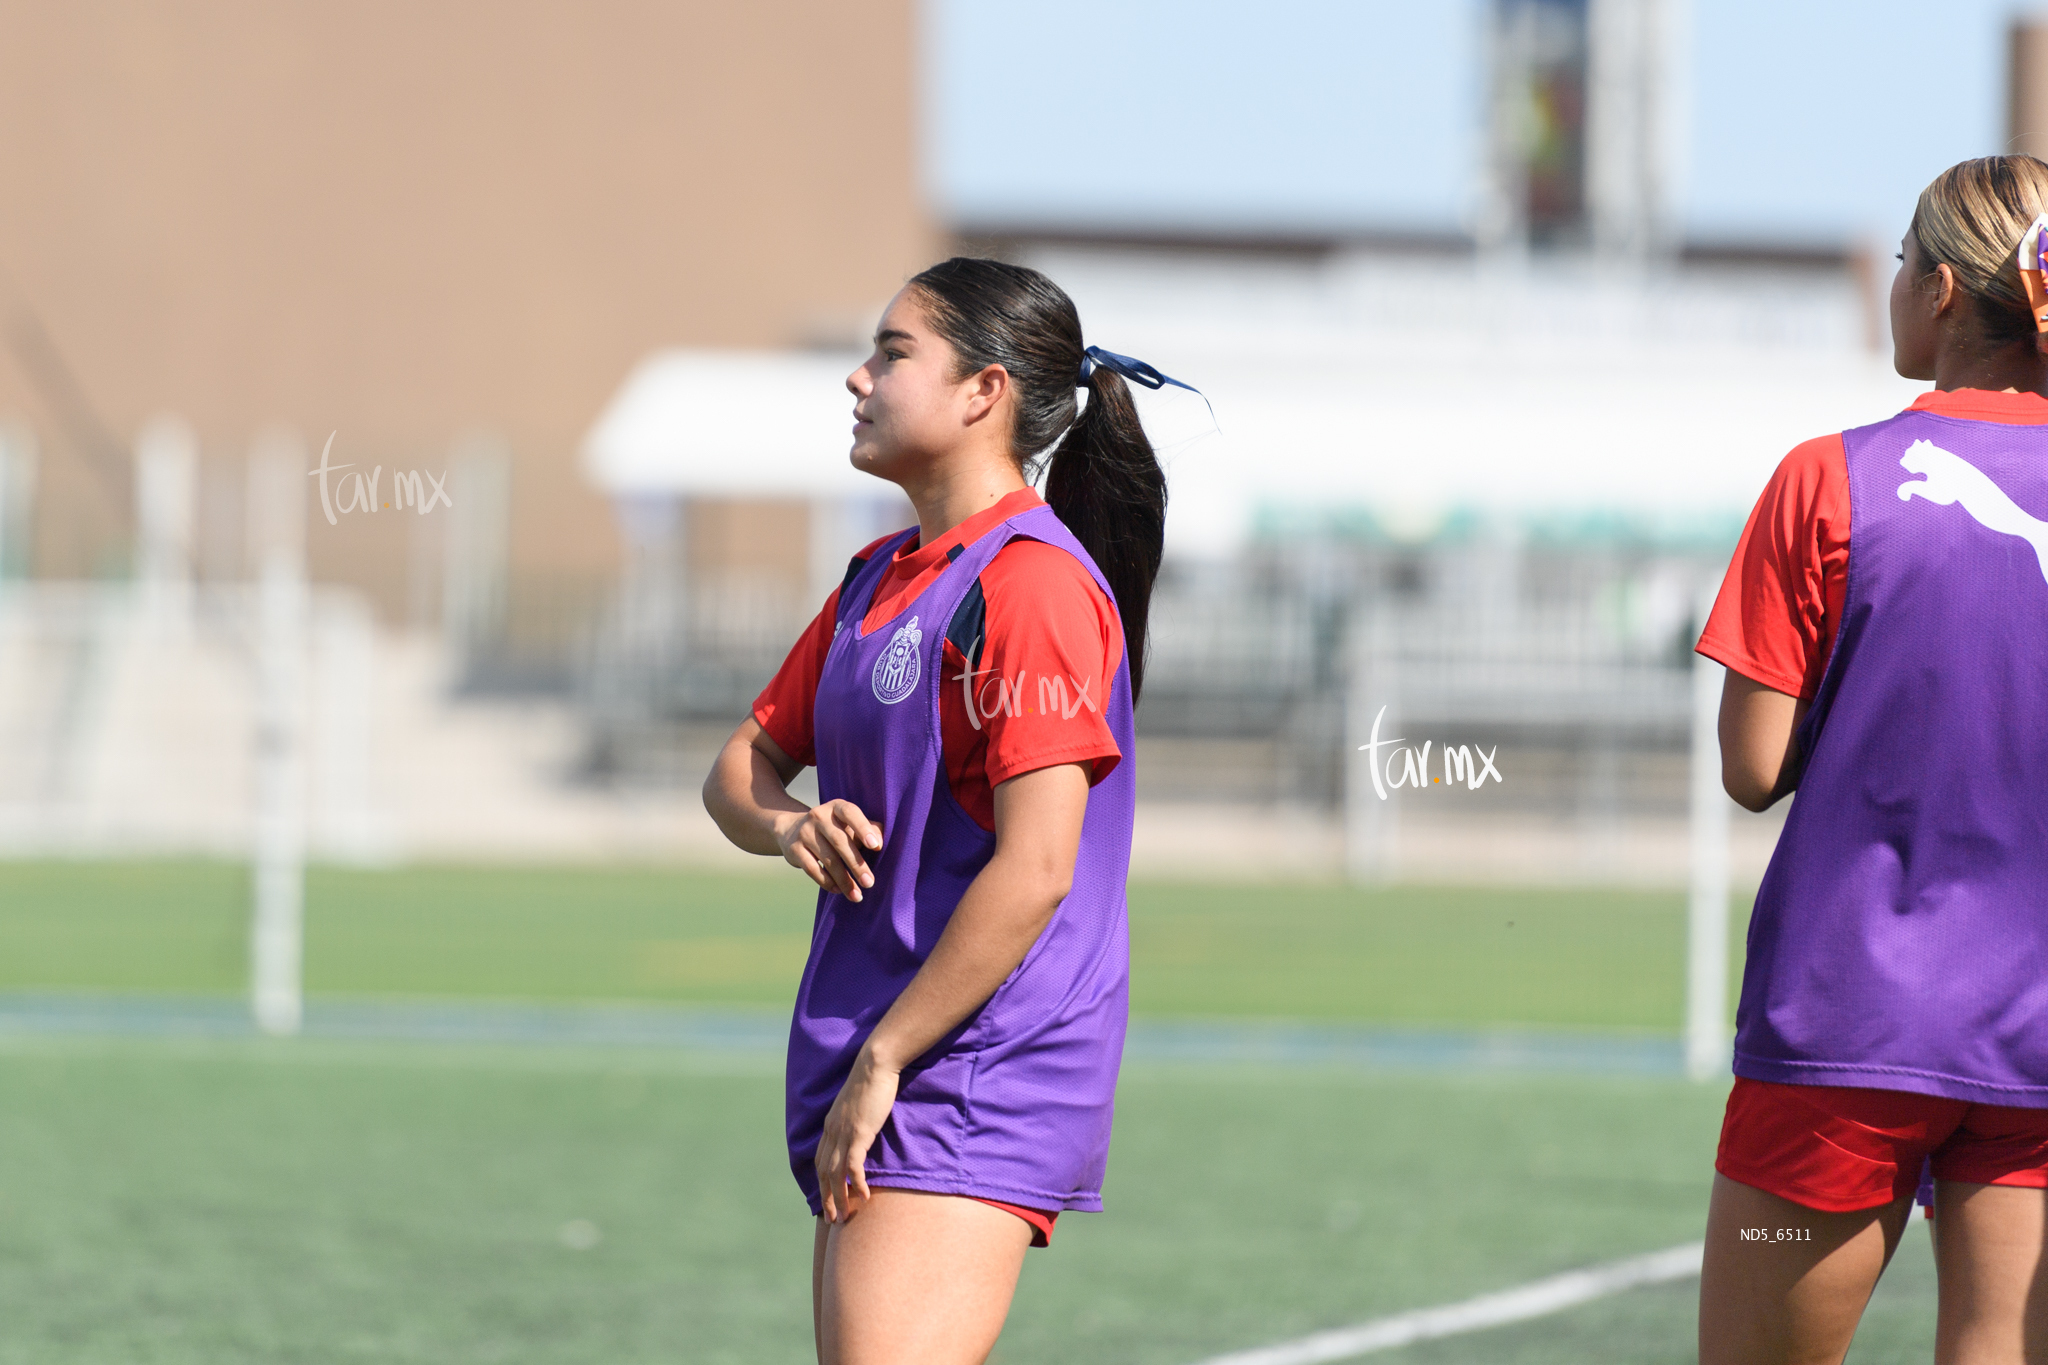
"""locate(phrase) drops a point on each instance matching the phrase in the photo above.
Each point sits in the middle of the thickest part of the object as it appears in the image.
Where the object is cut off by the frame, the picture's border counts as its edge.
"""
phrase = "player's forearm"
(1001, 915)
(748, 799)
(1759, 751)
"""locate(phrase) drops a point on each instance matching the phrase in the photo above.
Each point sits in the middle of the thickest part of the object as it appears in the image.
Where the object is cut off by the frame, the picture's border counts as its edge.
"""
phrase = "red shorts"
(1041, 1221)
(1841, 1148)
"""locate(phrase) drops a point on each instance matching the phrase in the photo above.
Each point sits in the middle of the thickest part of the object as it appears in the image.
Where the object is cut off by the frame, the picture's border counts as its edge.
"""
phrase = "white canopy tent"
(745, 425)
(729, 424)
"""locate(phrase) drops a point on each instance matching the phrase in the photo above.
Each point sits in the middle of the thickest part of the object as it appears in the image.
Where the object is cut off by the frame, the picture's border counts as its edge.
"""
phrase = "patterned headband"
(2033, 262)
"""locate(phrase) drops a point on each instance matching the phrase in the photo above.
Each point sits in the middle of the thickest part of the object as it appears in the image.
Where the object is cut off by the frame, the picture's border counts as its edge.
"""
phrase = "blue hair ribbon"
(1137, 371)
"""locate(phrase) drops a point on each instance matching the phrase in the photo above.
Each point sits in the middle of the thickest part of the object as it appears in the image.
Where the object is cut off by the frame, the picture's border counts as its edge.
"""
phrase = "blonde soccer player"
(1885, 624)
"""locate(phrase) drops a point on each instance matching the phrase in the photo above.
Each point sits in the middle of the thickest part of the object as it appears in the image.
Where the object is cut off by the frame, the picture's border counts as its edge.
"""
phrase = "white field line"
(1536, 1299)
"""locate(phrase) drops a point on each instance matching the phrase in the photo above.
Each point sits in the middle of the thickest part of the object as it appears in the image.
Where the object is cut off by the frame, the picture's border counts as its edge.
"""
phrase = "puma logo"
(1951, 479)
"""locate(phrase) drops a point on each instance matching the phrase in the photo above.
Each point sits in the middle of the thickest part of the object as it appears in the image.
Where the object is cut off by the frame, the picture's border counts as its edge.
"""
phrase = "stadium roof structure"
(695, 423)
(1418, 393)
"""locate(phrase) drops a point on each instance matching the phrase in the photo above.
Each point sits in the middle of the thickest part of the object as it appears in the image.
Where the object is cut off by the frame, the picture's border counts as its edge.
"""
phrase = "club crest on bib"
(897, 670)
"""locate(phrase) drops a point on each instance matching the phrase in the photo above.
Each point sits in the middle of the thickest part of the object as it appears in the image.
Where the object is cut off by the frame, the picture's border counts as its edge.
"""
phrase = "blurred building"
(1481, 478)
(2026, 108)
(442, 233)
(599, 273)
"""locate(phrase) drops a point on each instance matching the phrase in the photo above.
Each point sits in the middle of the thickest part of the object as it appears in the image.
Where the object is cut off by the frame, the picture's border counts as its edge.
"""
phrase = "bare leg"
(818, 1283)
(918, 1279)
(1989, 1242)
(1791, 1301)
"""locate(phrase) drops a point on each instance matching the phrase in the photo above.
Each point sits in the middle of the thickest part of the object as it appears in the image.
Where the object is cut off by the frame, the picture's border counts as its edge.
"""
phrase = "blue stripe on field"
(737, 1032)
(1404, 1049)
(428, 1021)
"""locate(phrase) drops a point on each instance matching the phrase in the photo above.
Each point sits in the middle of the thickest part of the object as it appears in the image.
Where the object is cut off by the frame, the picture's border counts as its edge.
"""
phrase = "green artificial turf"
(293, 1203)
(1412, 954)
(220, 1203)
(1592, 957)
(233, 1202)
(123, 925)
(168, 1202)
(1265, 1206)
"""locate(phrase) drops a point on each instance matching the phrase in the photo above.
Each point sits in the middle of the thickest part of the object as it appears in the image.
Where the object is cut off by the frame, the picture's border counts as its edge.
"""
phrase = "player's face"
(1914, 334)
(908, 408)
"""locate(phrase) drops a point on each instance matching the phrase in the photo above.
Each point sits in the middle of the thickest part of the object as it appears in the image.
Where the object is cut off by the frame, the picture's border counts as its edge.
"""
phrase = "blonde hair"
(1971, 219)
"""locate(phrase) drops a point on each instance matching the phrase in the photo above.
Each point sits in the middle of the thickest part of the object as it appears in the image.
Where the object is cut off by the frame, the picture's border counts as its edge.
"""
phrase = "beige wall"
(2026, 114)
(405, 221)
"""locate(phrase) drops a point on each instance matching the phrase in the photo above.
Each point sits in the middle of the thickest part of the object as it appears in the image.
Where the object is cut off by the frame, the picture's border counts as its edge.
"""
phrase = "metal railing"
(1573, 648)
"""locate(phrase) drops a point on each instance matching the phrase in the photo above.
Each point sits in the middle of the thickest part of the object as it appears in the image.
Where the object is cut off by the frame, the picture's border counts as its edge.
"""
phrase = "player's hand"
(850, 1127)
(829, 844)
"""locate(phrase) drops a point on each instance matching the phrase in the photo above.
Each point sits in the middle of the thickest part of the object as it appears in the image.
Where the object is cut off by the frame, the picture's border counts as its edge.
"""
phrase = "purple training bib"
(1015, 1103)
(1900, 938)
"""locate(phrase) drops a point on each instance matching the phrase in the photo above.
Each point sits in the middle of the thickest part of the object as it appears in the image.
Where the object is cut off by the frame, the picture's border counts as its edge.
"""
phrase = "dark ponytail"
(1103, 480)
(1107, 486)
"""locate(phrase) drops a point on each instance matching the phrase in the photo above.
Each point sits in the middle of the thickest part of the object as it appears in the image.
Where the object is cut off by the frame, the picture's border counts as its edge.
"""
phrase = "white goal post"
(278, 857)
(1706, 949)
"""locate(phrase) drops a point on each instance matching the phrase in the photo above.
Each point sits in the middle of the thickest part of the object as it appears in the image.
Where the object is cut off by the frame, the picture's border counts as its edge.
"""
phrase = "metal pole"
(277, 935)
(277, 494)
(1370, 820)
(166, 477)
(1706, 956)
(342, 643)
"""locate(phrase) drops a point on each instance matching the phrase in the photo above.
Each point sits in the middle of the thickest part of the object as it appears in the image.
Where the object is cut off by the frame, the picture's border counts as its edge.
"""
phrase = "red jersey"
(1029, 657)
(1775, 618)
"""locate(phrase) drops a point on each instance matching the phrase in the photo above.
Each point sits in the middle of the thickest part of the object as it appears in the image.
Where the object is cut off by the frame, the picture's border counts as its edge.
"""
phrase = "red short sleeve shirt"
(1026, 690)
(1775, 618)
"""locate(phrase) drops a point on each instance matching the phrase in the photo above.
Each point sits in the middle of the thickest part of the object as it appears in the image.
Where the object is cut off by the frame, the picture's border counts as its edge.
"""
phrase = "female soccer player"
(966, 697)
(1885, 624)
